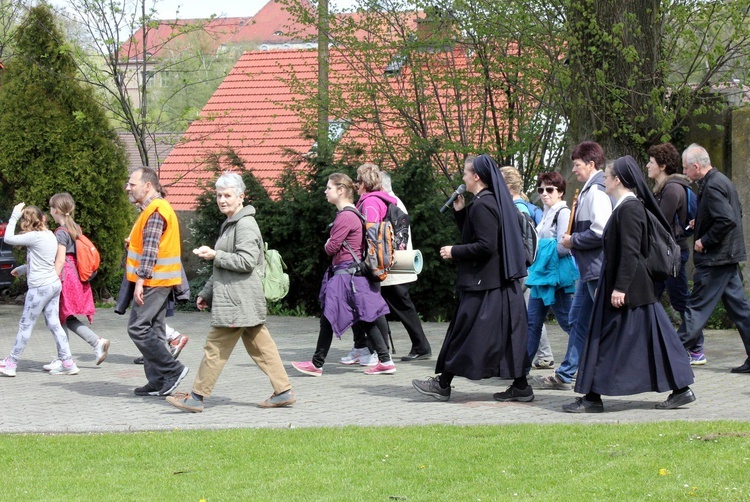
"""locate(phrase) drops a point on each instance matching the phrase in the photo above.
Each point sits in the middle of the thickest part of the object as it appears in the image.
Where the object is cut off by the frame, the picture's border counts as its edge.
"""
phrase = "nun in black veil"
(632, 346)
(487, 336)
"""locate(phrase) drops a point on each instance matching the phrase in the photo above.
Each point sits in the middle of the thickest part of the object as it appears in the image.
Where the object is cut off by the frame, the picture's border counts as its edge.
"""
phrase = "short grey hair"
(231, 181)
(385, 182)
(696, 154)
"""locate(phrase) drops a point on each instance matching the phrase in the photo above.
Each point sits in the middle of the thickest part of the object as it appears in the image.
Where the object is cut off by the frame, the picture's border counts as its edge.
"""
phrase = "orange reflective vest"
(168, 268)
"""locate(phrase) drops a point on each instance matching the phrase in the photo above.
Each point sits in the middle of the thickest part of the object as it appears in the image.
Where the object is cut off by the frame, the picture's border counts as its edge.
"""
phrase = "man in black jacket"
(718, 249)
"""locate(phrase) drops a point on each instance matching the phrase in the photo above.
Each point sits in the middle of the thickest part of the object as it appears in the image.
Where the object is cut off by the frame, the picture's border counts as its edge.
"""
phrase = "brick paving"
(100, 398)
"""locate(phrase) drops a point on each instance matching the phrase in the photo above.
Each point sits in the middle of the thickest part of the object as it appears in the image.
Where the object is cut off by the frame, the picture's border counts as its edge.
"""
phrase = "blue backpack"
(691, 202)
(532, 210)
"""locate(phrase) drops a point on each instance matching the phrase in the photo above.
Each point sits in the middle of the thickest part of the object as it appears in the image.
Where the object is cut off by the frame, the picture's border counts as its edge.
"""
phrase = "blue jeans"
(538, 312)
(580, 318)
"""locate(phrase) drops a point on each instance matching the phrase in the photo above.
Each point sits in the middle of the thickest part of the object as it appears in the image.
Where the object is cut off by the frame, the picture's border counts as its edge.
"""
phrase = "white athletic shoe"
(56, 364)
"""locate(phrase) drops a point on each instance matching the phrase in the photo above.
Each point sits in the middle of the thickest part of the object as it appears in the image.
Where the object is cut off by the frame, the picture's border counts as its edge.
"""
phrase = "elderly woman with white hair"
(238, 306)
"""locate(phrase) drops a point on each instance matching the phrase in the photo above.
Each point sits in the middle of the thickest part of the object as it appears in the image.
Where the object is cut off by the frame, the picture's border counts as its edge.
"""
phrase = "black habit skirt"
(487, 336)
(629, 351)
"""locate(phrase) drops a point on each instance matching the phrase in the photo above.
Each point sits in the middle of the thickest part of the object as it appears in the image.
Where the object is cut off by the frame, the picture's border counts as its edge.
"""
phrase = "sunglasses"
(541, 190)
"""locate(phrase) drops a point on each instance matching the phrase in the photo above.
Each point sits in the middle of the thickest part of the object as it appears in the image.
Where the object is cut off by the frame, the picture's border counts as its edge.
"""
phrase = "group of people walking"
(55, 287)
(590, 270)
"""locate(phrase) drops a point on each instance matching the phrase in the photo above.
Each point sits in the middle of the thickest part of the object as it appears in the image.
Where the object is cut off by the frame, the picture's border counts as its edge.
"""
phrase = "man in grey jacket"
(592, 211)
(718, 249)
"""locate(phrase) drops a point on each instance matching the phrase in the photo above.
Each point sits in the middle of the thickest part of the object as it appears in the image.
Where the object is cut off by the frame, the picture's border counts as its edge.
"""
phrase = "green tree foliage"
(55, 138)
(124, 51)
(185, 80)
(444, 77)
(640, 70)
(10, 14)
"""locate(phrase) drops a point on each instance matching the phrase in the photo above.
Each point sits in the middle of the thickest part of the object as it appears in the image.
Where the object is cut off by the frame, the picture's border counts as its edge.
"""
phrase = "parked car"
(7, 261)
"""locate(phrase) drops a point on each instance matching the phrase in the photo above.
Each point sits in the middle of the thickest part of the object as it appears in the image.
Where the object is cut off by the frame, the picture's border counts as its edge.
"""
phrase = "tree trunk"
(616, 74)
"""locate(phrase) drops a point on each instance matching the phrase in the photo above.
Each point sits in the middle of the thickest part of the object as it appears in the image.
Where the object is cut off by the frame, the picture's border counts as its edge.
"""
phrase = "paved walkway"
(100, 398)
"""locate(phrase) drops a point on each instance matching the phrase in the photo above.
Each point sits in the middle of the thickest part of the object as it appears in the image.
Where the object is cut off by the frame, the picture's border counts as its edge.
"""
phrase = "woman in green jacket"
(238, 306)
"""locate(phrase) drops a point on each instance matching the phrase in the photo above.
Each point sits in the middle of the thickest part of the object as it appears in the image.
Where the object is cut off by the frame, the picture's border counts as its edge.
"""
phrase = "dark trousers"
(677, 287)
(146, 329)
(360, 336)
(711, 284)
(374, 341)
(402, 308)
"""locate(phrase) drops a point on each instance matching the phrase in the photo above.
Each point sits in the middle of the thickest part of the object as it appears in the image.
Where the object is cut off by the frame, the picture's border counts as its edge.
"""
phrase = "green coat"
(235, 291)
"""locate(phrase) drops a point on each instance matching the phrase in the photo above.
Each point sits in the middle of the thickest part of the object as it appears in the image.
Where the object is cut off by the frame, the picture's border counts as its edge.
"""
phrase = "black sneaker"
(583, 405)
(515, 394)
(431, 387)
(147, 390)
(171, 383)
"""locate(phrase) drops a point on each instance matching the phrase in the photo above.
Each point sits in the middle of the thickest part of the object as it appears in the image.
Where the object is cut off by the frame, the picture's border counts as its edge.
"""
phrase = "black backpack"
(400, 221)
(529, 236)
(663, 259)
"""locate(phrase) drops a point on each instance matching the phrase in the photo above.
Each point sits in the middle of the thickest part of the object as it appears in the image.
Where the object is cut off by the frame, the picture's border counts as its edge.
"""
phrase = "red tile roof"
(159, 146)
(271, 25)
(251, 112)
(247, 113)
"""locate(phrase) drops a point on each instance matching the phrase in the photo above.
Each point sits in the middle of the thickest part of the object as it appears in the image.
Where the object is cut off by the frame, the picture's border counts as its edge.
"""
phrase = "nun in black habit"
(487, 336)
(632, 346)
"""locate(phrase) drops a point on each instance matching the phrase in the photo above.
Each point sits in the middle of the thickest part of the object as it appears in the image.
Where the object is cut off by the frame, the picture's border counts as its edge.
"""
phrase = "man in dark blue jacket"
(718, 250)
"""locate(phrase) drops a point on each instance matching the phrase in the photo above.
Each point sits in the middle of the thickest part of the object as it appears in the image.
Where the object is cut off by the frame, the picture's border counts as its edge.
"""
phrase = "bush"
(55, 137)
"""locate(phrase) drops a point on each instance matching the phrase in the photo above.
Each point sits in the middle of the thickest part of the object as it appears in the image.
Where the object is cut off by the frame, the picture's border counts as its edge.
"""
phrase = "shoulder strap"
(557, 213)
(354, 210)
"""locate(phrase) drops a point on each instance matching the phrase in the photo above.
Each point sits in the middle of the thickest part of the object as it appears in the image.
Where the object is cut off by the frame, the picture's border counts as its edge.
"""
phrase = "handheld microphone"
(461, 189)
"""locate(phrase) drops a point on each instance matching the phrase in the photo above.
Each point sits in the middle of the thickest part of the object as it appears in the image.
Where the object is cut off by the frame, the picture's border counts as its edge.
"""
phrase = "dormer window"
(278, 33)
(395, 66)
(336, 129)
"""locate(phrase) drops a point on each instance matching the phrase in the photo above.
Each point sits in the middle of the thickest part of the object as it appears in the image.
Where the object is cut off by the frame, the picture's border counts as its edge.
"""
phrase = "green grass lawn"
(654, 461)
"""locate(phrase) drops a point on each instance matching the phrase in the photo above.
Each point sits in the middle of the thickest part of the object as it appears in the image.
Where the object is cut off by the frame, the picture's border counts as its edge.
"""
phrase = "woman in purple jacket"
(346, 296)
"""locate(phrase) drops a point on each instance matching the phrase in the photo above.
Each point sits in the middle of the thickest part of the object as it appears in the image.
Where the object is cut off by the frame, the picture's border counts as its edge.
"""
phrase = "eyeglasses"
(541, 190)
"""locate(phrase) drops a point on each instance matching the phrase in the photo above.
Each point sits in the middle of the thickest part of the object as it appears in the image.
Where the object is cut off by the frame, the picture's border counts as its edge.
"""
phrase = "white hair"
(696, 154)
(231, 181)
(385, 182)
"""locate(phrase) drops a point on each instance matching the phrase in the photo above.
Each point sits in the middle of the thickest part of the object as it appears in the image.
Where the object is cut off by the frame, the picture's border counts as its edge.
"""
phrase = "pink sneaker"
(7, 368)
(382, 369)
(308, 368)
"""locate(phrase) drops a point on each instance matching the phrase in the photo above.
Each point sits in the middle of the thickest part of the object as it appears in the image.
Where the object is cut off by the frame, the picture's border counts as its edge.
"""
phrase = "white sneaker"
(7, 368)
(63, 370)
(369, 359)
(100, 351)
(354, 356)
(56, 364)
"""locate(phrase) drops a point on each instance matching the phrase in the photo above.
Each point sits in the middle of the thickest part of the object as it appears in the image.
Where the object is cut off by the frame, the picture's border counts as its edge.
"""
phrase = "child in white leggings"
(44, 287)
